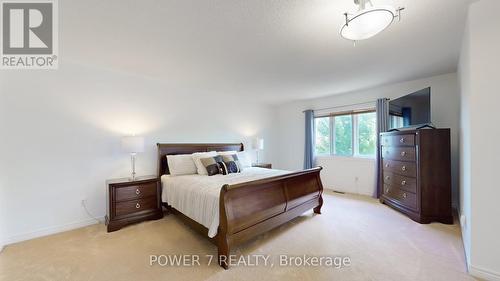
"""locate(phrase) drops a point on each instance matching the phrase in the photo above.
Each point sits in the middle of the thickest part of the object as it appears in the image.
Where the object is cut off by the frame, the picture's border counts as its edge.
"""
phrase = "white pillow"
(181, 164)
(245, 159)
(199, 166)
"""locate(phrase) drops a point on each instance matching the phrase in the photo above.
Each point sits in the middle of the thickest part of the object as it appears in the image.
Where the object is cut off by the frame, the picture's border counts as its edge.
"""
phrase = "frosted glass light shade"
(133, 144)
(258, 143)
(368, 22)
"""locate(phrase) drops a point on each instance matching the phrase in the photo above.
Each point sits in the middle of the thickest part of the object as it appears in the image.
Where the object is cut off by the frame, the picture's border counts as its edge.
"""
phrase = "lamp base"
(132, 159)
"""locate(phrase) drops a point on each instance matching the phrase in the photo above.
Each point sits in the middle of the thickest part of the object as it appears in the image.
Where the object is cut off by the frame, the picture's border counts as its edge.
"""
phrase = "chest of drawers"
(132, 201)
(415, 174)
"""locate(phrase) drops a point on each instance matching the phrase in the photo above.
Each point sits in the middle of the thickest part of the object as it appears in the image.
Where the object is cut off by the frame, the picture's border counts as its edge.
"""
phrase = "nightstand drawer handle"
(137, 191)
(137, 206)
(403, 183)
(404, 195)
(402, 140)
(403, 153)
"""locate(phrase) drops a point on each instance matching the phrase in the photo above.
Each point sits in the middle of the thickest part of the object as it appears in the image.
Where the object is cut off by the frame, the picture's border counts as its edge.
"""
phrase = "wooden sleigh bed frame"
(250, 208)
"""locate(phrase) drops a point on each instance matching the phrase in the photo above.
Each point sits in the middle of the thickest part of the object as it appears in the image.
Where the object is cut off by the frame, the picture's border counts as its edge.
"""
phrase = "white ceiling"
(275, 51)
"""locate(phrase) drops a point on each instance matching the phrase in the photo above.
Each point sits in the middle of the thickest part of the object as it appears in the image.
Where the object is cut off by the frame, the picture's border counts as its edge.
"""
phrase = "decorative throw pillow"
(214, 165)
(196, 158)
(232, 163)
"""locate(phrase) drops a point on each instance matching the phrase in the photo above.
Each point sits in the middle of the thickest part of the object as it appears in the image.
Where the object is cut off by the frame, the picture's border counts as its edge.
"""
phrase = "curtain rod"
(339, 106)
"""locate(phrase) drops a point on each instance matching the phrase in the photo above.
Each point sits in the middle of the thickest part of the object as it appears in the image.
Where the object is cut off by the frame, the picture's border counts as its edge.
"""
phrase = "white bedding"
(197, 196)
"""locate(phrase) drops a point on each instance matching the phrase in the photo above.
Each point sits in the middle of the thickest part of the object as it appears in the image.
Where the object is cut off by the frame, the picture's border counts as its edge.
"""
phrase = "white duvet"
(197, 196)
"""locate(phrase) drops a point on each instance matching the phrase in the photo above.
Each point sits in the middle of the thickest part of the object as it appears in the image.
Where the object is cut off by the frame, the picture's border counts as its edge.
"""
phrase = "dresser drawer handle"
(403, 153)
(387, 177)
(387, 165)
(404, 195)
(137, 191)
(402, 140)
(137, 206)
(387, 190)
(403, 168)
(403, 183)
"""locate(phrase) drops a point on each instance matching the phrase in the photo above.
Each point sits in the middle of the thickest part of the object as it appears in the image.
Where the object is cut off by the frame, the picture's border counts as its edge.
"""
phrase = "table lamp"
(258, 144)
(133, 145)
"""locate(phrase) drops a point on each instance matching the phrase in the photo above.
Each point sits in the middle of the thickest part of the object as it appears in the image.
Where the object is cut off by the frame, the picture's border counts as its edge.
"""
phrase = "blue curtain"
(382, 126)
(309, 143)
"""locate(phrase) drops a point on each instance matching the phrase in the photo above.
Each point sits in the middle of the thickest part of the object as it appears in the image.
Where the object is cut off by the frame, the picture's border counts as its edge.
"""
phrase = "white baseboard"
(484, 273)
(48, 231)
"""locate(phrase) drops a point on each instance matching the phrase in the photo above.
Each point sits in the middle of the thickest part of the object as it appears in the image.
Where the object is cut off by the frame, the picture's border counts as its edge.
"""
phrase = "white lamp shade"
(133, 144)
(258, 143)
(368, 23)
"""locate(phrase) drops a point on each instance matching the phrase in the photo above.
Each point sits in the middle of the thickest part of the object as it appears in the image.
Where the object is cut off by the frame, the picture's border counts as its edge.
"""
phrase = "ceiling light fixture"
(368, 21)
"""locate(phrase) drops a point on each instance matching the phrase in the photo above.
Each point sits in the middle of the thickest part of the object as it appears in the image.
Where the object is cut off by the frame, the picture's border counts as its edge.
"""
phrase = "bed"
(234, 208)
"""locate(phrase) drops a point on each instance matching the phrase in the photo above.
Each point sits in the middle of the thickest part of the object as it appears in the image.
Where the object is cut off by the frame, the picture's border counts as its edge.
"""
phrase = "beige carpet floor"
(380, 243)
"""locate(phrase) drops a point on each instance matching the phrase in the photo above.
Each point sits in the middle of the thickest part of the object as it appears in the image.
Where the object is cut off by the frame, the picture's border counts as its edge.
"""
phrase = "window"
(322, 136)
(343, 135)
(367, 134)
(352, 134)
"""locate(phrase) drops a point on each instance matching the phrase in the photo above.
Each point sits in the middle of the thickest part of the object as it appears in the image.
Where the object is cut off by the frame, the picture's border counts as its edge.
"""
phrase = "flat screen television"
(413, 110)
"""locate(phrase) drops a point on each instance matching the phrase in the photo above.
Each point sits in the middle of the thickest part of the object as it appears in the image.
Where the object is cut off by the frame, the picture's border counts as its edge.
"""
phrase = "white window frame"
(354, 139)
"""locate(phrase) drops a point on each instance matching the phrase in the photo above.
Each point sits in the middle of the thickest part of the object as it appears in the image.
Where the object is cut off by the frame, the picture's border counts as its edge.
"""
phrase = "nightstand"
(132, 201)
(263, 165)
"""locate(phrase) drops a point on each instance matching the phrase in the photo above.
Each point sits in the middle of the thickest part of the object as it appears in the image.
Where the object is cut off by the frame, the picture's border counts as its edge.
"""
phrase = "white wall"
(479, 72)
(60, 138)
(346, 174)
(341, 173)
(465, 143)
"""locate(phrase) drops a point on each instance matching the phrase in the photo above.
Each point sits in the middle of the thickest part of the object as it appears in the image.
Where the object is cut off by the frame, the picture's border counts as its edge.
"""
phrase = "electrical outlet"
(463, 221)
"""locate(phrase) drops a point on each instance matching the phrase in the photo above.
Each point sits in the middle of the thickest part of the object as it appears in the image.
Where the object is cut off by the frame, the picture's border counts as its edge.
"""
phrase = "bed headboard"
(165, 149)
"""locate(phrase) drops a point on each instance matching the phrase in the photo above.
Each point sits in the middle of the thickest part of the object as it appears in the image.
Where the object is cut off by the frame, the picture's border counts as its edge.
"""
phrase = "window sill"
(353, 158)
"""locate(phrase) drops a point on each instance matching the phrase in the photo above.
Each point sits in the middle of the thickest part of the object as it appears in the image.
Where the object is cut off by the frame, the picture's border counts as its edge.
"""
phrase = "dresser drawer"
(398, 153)
(398, 140)
(401, 182)
(135, 191)
(134, 206)
(404, 198)
(398, 167)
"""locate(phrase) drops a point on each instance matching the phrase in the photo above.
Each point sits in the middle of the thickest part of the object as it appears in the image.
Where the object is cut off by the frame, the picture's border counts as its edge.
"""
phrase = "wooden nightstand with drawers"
(132, 201)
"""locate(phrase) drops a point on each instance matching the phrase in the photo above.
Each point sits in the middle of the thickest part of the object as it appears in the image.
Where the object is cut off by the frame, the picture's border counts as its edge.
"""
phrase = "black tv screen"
(411, 110)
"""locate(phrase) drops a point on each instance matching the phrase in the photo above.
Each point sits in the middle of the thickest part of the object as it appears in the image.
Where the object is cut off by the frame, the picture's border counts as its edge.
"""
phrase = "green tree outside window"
(343, 135)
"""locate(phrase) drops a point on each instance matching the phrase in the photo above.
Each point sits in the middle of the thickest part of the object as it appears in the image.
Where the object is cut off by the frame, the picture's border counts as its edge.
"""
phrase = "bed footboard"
(251, 208)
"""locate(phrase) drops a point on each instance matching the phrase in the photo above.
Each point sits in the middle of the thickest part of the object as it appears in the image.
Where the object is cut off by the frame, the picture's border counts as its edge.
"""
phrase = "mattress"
(197, 196)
